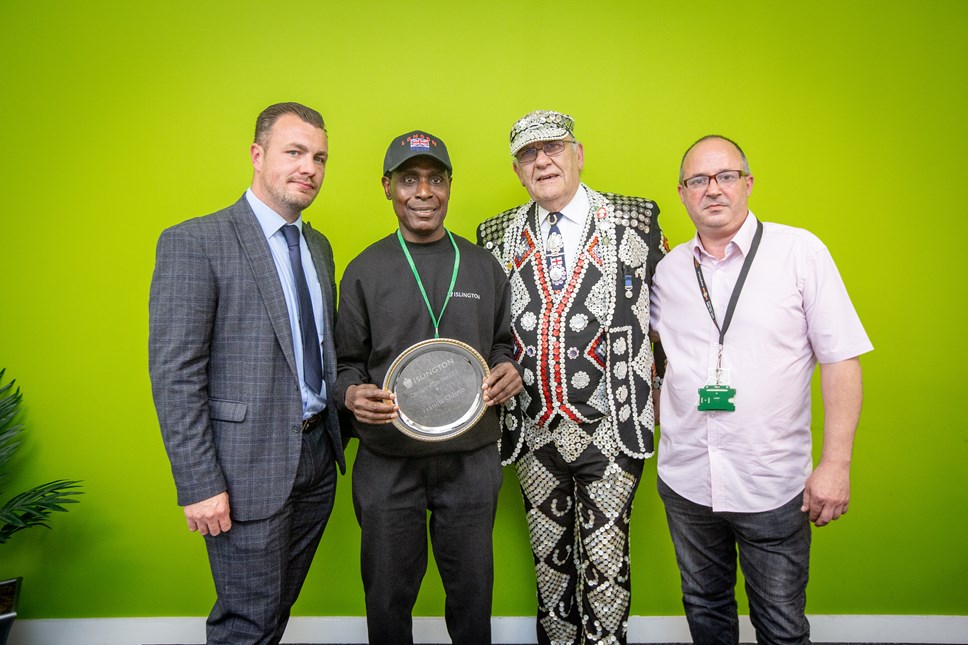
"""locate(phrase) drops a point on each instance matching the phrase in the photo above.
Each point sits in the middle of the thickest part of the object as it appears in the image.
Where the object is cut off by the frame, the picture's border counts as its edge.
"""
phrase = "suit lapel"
(322, 260)
(602, 226)
(524, 236)
(256, 249)
(591, 220)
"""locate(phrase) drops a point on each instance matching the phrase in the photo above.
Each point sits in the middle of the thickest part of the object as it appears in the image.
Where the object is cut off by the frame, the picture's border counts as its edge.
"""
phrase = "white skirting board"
(506, 629)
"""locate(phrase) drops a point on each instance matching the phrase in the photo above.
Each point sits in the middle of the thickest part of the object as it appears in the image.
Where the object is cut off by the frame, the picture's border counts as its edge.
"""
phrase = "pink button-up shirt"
(793, 312)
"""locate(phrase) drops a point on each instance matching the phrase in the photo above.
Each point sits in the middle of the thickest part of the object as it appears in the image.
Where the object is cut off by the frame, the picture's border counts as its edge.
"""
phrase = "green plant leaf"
(32, 507)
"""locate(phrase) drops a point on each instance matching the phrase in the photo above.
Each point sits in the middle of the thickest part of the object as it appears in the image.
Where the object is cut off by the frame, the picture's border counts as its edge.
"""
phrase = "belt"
(308, 425)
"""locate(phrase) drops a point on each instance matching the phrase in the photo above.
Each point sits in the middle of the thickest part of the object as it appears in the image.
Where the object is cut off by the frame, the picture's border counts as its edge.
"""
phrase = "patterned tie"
(312, 361)
(555, 253)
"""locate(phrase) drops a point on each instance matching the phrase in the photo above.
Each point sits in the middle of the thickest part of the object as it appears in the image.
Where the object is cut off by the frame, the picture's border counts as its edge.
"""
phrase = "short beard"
(297, 203)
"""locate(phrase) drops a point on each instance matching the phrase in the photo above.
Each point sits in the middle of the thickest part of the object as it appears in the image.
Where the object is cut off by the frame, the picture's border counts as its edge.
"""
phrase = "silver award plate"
(438, 388)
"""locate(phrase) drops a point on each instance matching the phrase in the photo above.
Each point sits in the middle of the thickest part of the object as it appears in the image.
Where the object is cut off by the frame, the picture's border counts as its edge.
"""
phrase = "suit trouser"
(578, 516)
(392, 496)
(259, 566)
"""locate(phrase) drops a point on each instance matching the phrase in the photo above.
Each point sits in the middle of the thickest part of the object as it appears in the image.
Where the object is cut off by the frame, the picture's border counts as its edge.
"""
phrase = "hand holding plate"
(370, 404)
(503, 382)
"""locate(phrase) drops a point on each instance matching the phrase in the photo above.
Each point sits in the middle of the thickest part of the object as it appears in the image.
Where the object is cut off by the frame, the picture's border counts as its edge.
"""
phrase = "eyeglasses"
(551, 148)
(724, 178)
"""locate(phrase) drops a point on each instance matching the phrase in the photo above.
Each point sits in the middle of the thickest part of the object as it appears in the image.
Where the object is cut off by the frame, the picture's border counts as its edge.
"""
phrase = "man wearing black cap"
(417, 284)
(581, 263)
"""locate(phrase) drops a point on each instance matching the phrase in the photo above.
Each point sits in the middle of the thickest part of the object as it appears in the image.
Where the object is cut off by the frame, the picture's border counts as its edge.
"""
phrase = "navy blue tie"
(555, 254)
(312, 361)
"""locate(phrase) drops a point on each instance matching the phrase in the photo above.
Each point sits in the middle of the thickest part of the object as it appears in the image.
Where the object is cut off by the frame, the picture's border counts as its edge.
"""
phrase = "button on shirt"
(272, 223)
(571, 224)
(793, 312)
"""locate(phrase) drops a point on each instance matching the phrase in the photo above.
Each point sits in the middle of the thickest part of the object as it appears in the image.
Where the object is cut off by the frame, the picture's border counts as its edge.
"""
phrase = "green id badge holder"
(716, 397)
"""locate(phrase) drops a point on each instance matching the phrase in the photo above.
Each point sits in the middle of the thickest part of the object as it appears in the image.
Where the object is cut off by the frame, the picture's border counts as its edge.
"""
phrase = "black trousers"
(392, 497)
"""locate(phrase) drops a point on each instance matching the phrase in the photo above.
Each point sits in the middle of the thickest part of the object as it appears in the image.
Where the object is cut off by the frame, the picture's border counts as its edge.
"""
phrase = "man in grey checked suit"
(245, 407)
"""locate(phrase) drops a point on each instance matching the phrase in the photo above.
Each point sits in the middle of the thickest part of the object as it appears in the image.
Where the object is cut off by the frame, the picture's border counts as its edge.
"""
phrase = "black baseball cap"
(415, 144)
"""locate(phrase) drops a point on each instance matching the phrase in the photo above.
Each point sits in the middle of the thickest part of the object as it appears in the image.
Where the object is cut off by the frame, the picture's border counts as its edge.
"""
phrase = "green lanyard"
(423, 292)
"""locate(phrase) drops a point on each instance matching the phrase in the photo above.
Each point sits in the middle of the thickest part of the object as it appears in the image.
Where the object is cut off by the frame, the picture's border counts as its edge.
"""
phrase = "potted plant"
(30, 508)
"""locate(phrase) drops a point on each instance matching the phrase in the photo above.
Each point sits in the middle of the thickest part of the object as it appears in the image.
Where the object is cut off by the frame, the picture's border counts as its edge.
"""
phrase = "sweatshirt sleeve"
(353, 342)
(502, 351)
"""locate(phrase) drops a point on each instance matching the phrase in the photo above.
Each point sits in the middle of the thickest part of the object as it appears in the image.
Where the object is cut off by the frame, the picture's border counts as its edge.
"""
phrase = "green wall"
(121, 119)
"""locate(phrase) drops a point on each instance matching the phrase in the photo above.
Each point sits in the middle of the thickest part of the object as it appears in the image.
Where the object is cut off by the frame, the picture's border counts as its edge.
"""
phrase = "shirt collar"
(741, 241)
(270, 221)
(576, 210)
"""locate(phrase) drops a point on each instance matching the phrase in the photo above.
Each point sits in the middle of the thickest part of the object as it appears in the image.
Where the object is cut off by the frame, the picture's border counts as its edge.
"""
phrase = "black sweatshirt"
(382, 313)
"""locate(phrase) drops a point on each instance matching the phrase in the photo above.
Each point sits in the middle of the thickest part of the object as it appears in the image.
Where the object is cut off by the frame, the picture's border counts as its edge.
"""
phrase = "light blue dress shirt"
(272, 223)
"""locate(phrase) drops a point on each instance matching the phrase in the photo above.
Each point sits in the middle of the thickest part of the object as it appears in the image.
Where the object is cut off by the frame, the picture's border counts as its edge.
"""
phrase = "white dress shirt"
(571, 224)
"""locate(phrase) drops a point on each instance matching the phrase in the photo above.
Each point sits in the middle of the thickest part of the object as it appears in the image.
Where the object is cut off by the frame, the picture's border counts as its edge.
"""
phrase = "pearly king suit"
(225, 382)
(585, 414)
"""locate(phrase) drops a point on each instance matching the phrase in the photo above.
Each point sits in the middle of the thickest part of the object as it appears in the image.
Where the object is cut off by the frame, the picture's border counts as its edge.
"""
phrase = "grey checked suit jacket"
(221, 361)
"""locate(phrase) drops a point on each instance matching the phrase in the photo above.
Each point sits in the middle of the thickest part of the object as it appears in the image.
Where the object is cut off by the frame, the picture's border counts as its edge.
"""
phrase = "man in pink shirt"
(745, 311)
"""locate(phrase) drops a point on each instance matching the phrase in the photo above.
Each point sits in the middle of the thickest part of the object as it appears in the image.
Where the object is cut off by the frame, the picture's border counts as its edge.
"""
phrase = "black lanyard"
(736, 289)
